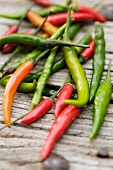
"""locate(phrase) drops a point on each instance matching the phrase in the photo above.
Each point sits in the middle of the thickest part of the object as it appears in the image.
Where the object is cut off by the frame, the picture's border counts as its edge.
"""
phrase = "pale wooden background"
(20, 145)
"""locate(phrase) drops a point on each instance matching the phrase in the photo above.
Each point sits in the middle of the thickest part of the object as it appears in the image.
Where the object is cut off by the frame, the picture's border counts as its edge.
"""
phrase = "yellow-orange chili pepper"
(12, 86)
(37, 20)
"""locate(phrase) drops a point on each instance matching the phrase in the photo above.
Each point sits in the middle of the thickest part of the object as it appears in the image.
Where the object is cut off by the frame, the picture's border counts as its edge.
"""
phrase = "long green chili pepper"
(35, 41)
(101, 102)
(43, 78)
(98, 60)
(77, 72)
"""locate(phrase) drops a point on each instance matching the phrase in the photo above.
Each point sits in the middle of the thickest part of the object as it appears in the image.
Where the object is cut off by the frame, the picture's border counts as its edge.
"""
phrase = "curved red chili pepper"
(97, 15)
(58, 128)
(65, 93)
(38, 111)
(59, 19)
(87, 53)
(10, 47)
(11, 30)
(43, 3)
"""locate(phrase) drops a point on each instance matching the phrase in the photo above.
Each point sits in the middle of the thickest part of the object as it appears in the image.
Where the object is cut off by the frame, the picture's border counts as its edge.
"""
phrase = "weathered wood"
(20, 146)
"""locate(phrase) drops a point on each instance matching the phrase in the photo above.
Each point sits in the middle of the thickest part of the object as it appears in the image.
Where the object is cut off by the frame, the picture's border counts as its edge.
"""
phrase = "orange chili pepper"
(12, 86)
(37, 20)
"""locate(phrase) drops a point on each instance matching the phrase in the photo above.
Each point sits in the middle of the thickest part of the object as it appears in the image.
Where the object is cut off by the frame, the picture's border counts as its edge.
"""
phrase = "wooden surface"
(20, 146)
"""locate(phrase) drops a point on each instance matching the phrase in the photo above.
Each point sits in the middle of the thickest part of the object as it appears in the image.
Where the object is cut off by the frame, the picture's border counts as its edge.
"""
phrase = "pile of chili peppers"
(68, 103)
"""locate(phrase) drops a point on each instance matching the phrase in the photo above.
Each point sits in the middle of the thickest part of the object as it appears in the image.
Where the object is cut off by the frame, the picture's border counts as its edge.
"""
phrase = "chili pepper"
(59, 19)
(42, 2)
(12, 16)
(101, 102)
(98, 60)
(96, 14)
(11, 30)
(35, 41)
(54, 9)
(37, 21)
(38, 111)
(58, 128)
(43, 78)
(23, 87)
(77, 72)
(10, 47)
(87, 53)
(65, 93)
(11, 87)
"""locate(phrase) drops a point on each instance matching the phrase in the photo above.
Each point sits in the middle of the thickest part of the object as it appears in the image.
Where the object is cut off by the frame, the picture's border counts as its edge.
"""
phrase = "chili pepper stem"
(55, 94)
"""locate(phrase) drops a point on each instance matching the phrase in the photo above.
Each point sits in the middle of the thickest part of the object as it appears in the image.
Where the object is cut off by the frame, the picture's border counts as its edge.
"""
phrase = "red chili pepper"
(97, 15)
(43, 3)
(87, 53)
(59, 19)
(38, 111)
(11, 30)
(65, 93)
(58, 128)
(10, 47)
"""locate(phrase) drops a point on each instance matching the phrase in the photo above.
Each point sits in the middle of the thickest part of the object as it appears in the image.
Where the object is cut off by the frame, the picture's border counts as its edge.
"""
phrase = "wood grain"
(20, 146)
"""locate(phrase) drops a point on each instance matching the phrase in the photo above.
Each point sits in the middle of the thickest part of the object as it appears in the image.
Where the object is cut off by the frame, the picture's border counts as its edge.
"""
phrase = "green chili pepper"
(29, 56)
(12, 16)
(77, 72)
(52, 9)
(101, 102)
(23, 87)
(43, 78)
(35, 41)
(98, 60)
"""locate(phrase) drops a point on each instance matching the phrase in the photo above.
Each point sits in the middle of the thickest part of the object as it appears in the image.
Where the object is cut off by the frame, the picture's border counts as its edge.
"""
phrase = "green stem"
(66, 37)
(16, 51)
(56, 93)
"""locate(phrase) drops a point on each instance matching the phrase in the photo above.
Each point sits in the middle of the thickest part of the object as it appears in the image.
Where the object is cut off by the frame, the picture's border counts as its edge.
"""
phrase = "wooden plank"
(20, 146)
